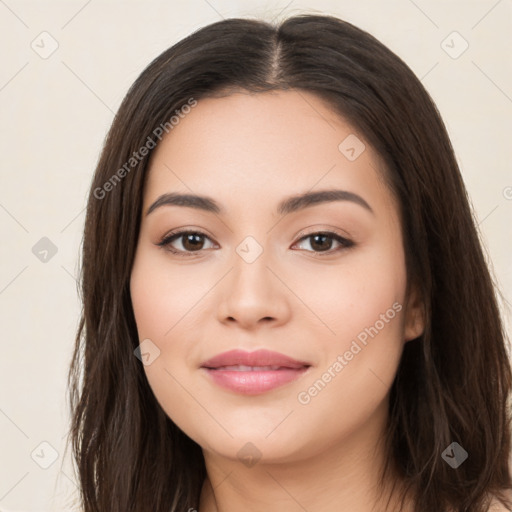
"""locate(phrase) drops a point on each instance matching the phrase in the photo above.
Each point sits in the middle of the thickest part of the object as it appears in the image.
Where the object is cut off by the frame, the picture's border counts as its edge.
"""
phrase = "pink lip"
(253, 382)
(256, 358)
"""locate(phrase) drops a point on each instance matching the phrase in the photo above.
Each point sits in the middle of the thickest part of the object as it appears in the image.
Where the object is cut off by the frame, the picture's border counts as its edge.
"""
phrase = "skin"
(324, 455)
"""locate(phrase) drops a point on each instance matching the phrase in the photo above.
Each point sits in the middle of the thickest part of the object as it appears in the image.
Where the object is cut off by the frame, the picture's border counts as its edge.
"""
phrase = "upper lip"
(256, 358)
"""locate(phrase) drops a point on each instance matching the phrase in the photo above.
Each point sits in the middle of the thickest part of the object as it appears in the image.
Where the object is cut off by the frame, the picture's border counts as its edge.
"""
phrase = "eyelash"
(174, 235)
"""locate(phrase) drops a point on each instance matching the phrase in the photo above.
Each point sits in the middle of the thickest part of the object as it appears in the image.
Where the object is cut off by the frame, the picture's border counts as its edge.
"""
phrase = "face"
(321, 282)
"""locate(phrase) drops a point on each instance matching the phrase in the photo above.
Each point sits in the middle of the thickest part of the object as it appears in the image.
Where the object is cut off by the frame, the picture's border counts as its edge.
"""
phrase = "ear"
(414, 316)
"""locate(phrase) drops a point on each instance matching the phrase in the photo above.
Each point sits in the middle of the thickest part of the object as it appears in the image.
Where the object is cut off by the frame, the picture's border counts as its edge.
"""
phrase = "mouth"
(253, 373)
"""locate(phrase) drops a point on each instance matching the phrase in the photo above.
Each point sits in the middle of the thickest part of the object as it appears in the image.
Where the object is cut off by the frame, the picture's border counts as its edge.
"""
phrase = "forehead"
(260, 146)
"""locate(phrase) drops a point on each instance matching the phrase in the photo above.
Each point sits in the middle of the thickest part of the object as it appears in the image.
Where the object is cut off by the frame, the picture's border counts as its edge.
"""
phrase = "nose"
(253, 294)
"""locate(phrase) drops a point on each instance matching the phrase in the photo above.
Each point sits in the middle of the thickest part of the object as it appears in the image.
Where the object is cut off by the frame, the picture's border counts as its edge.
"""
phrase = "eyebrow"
(289, 205)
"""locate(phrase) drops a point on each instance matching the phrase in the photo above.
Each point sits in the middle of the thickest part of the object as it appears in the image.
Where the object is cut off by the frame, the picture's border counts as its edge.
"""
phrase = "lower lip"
(254, 383)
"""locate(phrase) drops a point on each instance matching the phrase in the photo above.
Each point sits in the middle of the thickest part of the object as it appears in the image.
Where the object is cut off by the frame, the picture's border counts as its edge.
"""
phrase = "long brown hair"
(453, 382)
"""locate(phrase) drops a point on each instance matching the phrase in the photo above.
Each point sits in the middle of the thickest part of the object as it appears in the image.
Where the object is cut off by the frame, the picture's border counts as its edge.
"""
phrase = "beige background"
(56, 111)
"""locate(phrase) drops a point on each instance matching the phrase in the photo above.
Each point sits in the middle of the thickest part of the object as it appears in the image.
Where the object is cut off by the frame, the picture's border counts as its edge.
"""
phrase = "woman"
(286, 303)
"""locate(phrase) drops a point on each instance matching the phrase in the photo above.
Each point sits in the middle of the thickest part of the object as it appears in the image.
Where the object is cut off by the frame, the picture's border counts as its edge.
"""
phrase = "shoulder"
(497, 506)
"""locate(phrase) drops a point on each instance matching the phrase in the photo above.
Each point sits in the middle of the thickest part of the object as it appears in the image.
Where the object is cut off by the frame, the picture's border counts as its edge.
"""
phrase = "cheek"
(364, 311)
(163, 295)
(361, 295)
(163, 301)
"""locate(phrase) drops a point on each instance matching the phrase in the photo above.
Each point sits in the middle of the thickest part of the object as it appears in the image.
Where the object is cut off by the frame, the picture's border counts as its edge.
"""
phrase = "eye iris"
(194, 239)
(323, 237)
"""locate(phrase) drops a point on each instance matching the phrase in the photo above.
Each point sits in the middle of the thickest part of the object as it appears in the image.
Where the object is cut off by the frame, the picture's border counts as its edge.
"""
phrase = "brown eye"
(194, 242)
(190, 241)
(322, 242)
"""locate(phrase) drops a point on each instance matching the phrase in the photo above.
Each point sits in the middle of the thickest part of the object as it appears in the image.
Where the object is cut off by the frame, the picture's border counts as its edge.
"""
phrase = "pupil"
(324, 237)
(193, 240)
